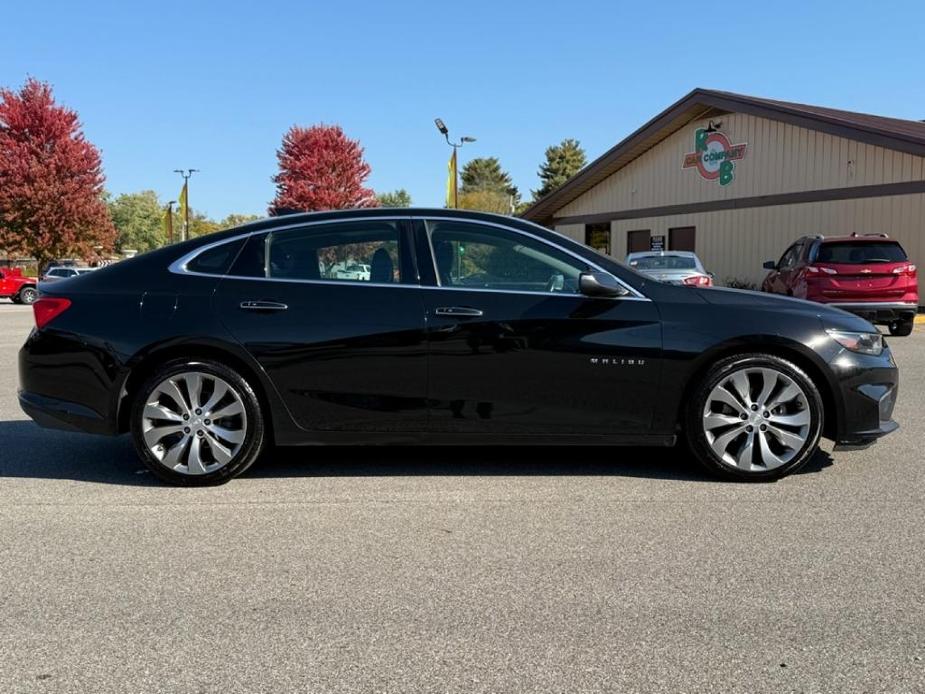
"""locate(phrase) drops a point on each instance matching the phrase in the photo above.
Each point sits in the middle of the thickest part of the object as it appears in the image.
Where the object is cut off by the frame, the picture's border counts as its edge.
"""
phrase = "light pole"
(186, 177)
(170, 220)
(455, 145)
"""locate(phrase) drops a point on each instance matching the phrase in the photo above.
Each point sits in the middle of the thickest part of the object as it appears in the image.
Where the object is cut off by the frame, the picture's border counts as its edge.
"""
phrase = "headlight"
(865, 343)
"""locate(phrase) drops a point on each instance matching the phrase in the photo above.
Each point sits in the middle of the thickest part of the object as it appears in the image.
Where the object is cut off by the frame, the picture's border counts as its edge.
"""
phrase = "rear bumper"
(879, 311)
(64, 383)
(53, 413)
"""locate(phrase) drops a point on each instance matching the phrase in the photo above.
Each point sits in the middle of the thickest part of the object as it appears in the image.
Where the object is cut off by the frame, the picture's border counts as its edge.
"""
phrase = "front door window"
(472, 256)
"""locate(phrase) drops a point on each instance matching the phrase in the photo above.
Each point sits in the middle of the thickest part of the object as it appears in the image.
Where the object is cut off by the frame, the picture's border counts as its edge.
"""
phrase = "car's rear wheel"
(27, 295)
(197, 423)
(902, 326)
(754, 417)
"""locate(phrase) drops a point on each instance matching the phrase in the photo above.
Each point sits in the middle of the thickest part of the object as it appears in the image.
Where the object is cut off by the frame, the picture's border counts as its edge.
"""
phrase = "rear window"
(215, 261)
(664, 262)
(860, 253)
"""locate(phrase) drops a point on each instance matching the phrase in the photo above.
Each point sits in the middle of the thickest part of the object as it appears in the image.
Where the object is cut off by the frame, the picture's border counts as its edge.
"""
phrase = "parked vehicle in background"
(673, 267)
(60, 262)
(355, 271)
(869, 275)
(56, 273)
(472, 328)
(16, 286)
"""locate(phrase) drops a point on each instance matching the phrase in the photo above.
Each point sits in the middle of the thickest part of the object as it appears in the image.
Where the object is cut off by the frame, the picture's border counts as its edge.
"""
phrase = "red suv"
(869, 275)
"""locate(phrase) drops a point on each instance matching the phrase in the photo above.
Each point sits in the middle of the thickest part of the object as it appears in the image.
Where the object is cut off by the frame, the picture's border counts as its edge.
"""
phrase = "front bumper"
(869, 386)
(879, 311)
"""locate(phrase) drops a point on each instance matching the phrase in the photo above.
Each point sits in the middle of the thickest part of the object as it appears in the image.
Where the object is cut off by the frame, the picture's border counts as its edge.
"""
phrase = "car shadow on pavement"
(28, 451)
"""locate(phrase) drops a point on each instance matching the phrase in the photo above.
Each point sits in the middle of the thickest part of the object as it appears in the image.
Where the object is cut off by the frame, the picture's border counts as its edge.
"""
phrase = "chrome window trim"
(179, 266)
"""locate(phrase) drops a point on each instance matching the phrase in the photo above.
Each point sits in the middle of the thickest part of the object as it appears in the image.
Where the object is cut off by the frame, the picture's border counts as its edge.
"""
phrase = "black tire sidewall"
(902, 328)
(696, 437)
(253, 441)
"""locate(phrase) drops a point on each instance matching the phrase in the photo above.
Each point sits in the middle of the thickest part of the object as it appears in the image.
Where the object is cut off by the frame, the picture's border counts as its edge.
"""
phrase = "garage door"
(681, 239)
(637, 241)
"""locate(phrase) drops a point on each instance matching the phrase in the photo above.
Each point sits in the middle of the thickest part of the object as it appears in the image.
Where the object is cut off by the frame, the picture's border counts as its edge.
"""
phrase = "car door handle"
(263, 306)
(458, 311)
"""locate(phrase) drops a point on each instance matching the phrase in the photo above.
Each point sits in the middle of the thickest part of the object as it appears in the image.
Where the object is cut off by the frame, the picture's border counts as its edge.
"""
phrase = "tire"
(783, 418)
(27, 296)
(15, 299)
(902, 327)
(179, 442)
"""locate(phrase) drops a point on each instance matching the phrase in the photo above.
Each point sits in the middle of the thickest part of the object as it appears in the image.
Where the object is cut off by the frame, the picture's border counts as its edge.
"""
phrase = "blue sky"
(214, 86)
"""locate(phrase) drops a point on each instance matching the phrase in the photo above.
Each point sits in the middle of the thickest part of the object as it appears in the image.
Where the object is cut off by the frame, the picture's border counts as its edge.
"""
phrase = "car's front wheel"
(197, 423)
(754, 417)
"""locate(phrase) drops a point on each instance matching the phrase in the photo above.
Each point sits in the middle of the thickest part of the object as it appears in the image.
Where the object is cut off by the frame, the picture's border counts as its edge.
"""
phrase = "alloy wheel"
(28, 295)
(757, 419)
(194, 423)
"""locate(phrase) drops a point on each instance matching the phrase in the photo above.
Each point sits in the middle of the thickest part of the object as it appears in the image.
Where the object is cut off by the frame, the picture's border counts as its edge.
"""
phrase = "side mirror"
(769, 265)
(600, 284)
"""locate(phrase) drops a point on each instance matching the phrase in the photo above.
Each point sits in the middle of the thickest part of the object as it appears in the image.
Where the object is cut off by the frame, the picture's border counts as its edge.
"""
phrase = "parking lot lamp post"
(455, 145)
(185, 198)
(169, 221)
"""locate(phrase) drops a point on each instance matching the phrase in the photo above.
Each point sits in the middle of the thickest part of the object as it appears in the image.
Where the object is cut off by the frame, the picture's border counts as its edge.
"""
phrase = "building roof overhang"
(891, 133)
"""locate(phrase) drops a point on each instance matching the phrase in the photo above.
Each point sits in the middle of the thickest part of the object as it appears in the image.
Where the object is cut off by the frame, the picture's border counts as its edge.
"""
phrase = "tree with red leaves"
(320, 168)
(51, 180)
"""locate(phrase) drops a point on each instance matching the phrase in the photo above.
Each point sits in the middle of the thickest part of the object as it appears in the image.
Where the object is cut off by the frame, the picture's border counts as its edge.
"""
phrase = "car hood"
(830, 316)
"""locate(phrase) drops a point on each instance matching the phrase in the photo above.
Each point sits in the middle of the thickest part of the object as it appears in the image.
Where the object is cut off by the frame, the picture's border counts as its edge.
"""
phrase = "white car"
(673, 267)
(356, 271)
(60, 272)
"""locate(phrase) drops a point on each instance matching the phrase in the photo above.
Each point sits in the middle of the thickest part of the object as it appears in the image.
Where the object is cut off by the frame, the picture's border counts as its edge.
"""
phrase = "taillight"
(48, 308)
(698, 281)
(905, 270)
(815, 270)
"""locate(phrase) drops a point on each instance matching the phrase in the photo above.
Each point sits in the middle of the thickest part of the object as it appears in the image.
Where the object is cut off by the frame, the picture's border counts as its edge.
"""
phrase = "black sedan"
(467, 328)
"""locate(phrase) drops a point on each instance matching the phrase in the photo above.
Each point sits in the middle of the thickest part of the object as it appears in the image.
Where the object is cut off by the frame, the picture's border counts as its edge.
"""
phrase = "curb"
(920, 319)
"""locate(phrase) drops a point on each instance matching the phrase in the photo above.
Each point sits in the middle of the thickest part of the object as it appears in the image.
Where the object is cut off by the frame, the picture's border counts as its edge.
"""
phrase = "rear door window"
(368, 251)
(860, 253)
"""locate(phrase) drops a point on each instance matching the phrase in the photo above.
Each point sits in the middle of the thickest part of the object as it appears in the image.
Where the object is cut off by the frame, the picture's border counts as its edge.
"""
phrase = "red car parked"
(13, 285)
(869, 275)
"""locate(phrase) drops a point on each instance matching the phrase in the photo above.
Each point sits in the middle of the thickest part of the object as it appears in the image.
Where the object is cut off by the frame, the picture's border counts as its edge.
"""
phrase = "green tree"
(200, 224)
(395, 198)
(236, 220)
(563, 161)
(495, 201)
(486, 175)
(139, 221)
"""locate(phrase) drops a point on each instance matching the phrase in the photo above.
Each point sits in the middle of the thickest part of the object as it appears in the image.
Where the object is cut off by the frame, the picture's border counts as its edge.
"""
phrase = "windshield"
(664, 262)
(854, 253)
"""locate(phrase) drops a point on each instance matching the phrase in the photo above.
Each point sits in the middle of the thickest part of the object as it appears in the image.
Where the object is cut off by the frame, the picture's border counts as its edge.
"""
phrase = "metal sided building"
(737, 179)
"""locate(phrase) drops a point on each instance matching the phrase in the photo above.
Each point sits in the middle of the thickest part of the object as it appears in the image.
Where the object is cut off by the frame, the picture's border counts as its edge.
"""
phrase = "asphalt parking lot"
(433, 570)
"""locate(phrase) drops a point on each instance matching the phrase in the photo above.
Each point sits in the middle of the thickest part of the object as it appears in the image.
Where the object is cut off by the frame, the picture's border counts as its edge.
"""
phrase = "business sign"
(714, 155)
(657, 243)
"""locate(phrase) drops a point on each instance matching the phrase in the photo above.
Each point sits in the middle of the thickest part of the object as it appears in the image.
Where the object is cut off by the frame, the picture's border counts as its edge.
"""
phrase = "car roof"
(859, 238)
(650, 254)
(867, 238)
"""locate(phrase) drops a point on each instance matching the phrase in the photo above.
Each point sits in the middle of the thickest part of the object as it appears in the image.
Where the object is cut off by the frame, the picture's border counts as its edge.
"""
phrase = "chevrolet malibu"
(468, 329)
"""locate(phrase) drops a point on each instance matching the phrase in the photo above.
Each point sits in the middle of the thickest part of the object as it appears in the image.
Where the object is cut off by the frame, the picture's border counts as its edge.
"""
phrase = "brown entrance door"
(637, 241)
(681, 239)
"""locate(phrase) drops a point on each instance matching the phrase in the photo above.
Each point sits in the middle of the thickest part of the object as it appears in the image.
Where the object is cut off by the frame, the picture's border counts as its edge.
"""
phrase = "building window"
(637, 241)
(681, 239)
(598, 237)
